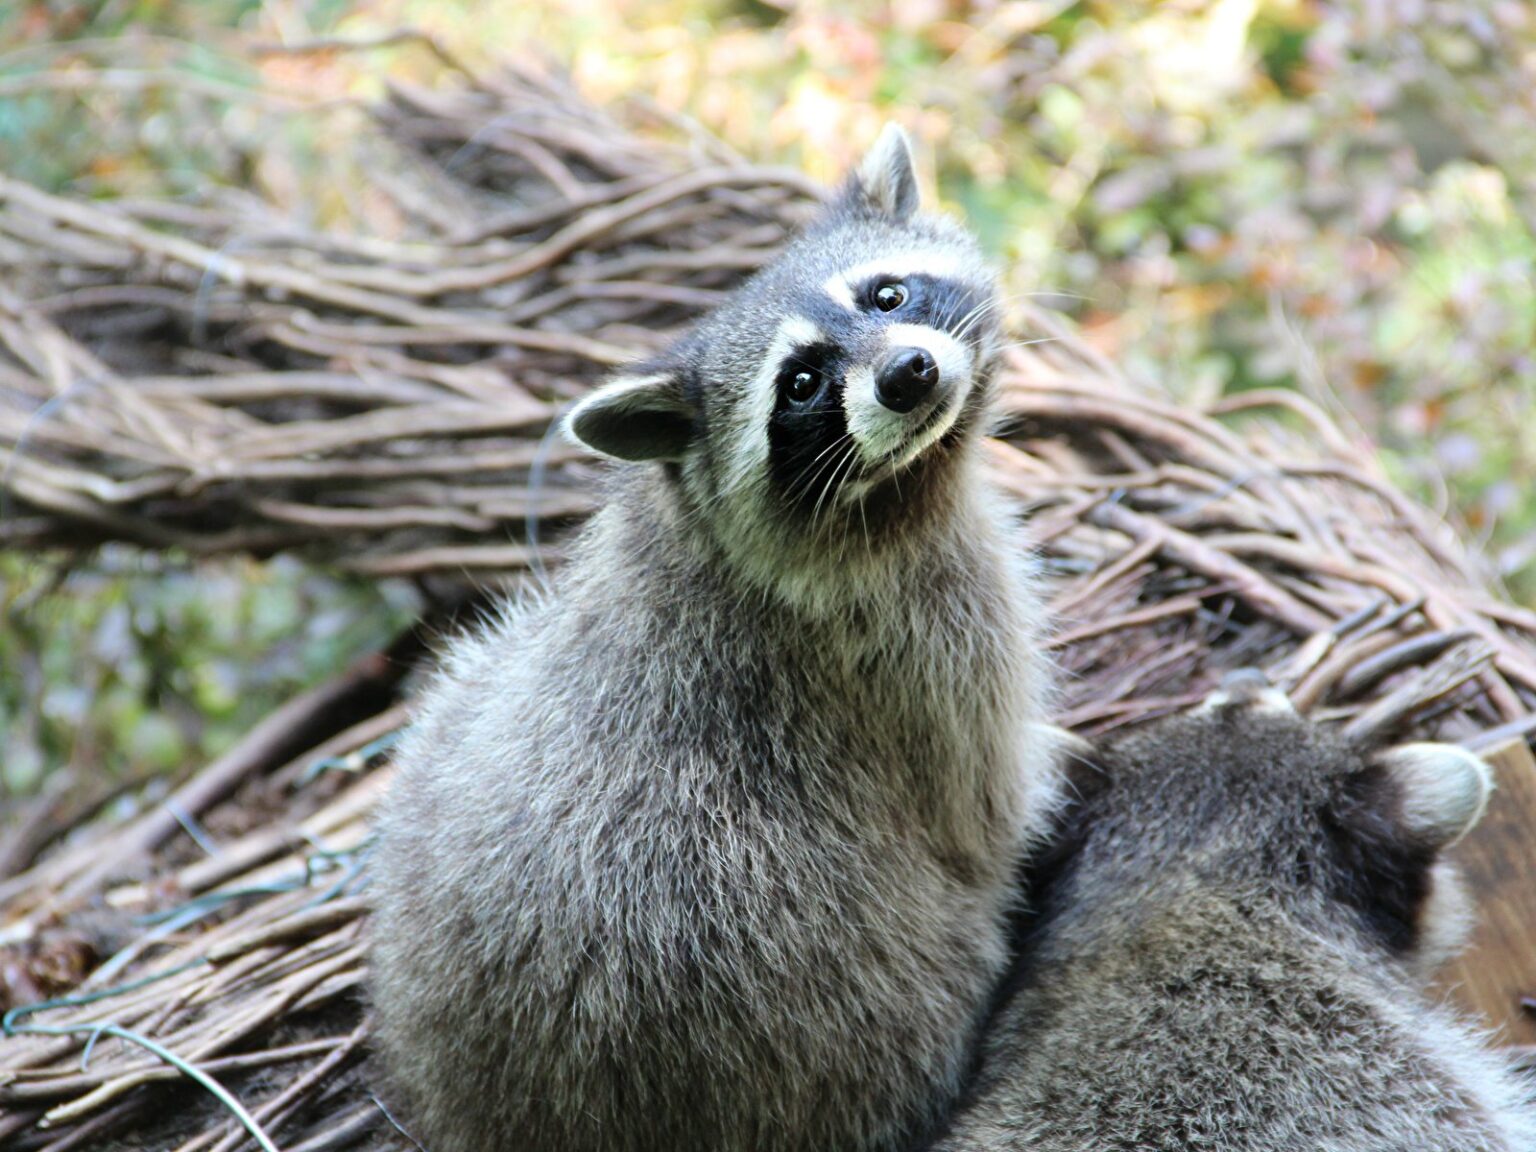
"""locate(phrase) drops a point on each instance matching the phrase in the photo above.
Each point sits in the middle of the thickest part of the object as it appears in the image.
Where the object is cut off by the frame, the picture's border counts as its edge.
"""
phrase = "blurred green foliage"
(1225, 194)
(141, 662)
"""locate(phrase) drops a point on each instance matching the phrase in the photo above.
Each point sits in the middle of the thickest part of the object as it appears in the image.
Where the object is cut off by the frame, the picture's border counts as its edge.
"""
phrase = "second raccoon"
(1231, 948)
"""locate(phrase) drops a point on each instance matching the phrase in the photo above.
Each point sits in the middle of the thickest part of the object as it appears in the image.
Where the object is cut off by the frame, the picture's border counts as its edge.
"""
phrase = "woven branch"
(219, 382)
(189, 378)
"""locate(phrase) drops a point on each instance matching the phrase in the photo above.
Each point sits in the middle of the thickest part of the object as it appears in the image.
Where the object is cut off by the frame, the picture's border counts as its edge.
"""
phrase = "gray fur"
(1231, 954)
(711, 847)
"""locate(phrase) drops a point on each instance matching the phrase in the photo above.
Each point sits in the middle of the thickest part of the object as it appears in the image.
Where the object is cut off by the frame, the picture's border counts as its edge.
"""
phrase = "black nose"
(907, 377)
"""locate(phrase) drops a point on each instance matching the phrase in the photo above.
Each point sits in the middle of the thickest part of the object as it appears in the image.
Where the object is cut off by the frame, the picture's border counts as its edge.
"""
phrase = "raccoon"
(1230, 947)
(711, 847)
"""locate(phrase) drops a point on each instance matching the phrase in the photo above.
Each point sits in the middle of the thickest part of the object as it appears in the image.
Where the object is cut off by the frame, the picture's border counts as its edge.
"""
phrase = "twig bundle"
(218, 380)
(178, 378)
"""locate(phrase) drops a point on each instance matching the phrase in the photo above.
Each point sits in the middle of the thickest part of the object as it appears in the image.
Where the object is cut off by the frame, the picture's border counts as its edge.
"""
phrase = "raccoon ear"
(1387, 826)
(1246, 688)
(635, 418)
(886, 179)
(1441, 789)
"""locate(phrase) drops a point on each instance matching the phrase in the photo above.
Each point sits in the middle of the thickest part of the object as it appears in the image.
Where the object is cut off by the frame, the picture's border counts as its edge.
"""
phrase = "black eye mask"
(810, 450)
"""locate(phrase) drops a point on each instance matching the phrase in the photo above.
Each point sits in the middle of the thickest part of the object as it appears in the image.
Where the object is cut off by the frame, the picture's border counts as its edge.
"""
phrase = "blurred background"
(1223, 195)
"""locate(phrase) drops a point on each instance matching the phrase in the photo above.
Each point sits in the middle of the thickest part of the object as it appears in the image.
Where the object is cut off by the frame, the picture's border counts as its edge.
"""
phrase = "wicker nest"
(188, 378)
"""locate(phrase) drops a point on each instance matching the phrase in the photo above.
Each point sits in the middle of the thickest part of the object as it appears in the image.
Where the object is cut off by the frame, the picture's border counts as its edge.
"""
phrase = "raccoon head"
(1244, 797)
(829, 404)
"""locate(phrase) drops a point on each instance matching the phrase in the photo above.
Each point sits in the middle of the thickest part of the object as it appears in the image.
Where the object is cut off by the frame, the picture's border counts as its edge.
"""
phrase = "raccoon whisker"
(890, 467)
(832, 478)
(853, 459)
(890, 462)
(973, 318)
(842, 547)
(809, 477)
(976, 314)
(1027, 343)
(860, 491)
(844, 470)
(811, 471)
(825, 488)
(830, 448)
(955, 321)
(980, 312)
(807, 482)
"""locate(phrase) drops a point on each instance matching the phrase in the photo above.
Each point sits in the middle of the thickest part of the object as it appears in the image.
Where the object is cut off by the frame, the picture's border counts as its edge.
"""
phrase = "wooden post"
(1499, 968)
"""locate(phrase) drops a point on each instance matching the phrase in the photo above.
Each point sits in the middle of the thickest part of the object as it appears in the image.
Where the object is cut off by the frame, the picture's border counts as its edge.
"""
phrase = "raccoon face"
(841, 384)
(1243, 796)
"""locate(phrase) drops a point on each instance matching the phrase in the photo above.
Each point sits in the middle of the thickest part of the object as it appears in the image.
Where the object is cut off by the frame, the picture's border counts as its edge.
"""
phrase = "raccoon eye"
(889, 297)
(803, 385)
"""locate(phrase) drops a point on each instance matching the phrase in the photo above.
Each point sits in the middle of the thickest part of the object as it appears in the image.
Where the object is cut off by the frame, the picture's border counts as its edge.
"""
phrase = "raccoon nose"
(907, 377)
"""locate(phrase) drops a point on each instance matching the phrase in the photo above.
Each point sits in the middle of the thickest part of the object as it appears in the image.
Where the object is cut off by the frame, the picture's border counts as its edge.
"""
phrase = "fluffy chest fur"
(707, 870)
(911, 695)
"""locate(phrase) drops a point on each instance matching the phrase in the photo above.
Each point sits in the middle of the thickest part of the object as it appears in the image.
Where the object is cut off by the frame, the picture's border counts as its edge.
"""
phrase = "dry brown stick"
(592, 224)
(1198, 556)
(30, 1092)
(1511, 615)
(340, 752)
(1429, 684)
(40, 819)
(271, 742)
(371, 520)
(333, 44)
(223, 266)
(232, 1032)
(283, 966)
(271, 1110)
(84, 1135)
(1324, 428)
(466, 558)
(1412, 652)
(436, 327)
(1208, 443)
(289, 994)
(140, 79)
(1123, 621)
(299, 924)
(12, 1122)
(1442, 610)
(244, 387)
(1315, 686)
(344, 1130)
(1411, 518)
(528, 220)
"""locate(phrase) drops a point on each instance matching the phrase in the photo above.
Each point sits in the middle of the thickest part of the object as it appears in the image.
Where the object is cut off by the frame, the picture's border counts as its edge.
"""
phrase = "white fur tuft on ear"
(1444, 789)
(888, 175)
(634, 418)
